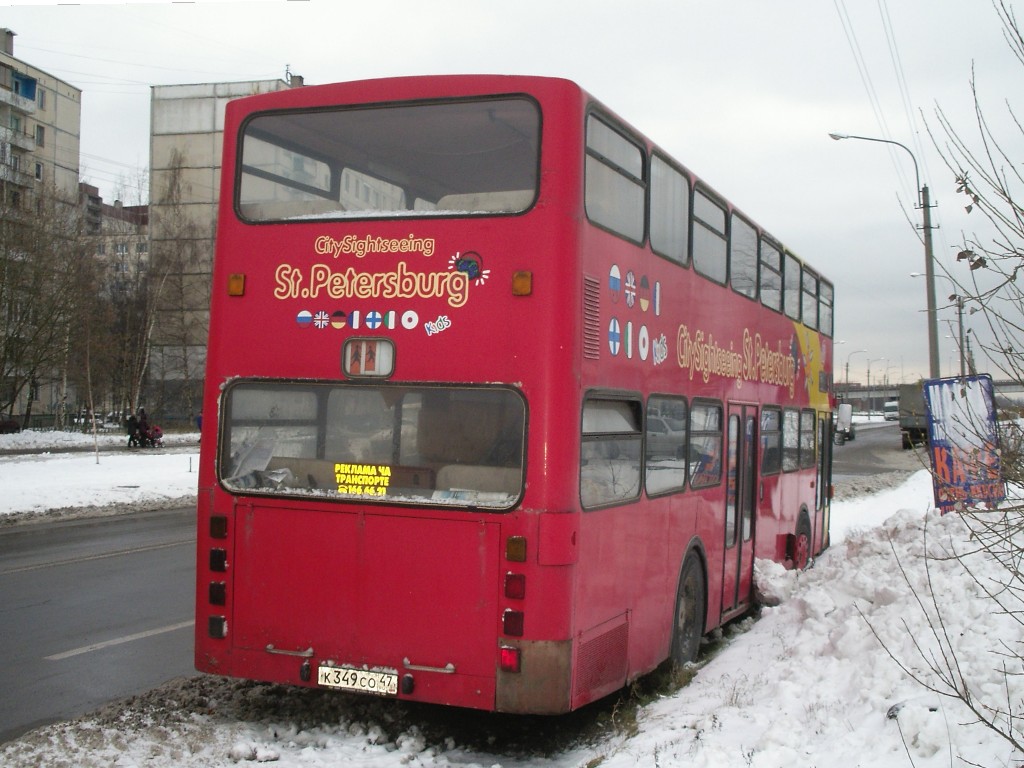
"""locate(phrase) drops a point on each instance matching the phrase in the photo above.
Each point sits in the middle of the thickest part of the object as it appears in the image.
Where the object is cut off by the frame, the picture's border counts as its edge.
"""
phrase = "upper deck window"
(615, 181)
(390, 161)
(710, 256)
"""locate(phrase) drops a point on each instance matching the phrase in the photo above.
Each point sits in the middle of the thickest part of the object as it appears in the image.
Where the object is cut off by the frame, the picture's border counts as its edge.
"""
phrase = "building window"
(39, 171)
(42, 99)
(40, 136)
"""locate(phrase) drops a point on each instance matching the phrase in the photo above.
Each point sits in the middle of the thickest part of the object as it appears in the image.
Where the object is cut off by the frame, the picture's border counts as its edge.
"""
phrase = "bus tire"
(691, 609)
(801, 555)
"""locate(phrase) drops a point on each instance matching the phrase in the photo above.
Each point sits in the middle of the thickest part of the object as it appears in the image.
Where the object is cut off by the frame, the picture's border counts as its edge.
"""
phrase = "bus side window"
(665, 446)
(705, 456)
(610, 452)
(771, 441)
(790, 440)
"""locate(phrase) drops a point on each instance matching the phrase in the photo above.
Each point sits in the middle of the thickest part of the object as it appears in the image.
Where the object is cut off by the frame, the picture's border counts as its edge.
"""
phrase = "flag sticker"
(373, 320)
(304, 318)
(643, 342)
(630, 288)
(615, 282)
(645, 293)
(321, 319)
(614, 336)
(657, 298)
(628, 341)
(339, 319)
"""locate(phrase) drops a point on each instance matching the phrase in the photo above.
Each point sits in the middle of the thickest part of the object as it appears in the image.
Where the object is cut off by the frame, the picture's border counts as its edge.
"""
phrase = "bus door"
(824, 479)
(740, 495)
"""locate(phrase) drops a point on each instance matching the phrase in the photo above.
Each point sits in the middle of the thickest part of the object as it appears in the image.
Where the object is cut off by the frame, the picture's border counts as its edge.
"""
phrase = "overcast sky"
(743, 92)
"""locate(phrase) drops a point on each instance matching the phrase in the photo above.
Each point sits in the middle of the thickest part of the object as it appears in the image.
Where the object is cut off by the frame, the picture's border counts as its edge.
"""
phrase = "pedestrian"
(132, 427)
(143, 428)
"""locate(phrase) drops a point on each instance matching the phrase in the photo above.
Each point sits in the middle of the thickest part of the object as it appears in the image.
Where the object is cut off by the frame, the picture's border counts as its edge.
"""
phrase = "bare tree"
(41, 265)
(992, 183)
(986, 173)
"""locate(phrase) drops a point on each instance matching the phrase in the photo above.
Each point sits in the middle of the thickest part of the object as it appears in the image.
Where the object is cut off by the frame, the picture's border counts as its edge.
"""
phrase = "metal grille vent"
(591, 318)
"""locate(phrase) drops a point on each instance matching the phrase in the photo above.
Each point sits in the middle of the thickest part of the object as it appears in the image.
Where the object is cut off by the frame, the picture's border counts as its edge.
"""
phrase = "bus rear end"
(389, 322)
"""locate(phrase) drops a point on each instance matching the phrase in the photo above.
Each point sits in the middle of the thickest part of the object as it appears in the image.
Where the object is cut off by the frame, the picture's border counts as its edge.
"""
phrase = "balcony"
(17, 139)
(20, 103)
(11, 174)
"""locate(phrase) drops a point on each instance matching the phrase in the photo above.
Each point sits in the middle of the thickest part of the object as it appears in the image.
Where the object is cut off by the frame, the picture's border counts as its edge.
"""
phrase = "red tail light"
(509, 659)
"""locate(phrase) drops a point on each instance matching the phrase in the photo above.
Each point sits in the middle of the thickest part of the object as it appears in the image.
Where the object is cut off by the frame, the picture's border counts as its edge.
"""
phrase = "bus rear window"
(451, 446)
(448, 158)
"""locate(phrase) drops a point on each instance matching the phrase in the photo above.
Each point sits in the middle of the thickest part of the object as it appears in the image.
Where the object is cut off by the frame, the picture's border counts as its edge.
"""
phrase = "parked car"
(9, 427)
(666, 437)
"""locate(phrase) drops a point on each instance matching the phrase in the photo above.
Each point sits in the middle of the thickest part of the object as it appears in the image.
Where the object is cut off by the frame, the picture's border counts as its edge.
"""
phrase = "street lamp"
(848, 370)
(929, 260)
(959, 317)
(874, 360)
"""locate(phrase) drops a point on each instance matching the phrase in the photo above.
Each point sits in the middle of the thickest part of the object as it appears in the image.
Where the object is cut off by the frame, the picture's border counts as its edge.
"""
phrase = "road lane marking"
(88, 558)
(119, 641)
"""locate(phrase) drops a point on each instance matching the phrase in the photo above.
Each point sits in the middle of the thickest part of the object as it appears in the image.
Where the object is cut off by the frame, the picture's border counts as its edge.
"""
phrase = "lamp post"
(848, 370)
(924, 203)
(959, 299)
(874, 360)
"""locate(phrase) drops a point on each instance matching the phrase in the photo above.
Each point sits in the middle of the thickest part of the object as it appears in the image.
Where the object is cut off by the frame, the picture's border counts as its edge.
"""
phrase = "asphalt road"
(91, 611)
(876, 448)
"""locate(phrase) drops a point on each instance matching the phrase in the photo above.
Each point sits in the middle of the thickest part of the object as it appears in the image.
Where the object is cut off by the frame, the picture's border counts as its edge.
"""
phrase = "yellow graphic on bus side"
(798, 362)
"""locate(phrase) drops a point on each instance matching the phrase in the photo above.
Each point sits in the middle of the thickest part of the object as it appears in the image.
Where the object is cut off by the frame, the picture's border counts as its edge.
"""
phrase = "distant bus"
(502, 401)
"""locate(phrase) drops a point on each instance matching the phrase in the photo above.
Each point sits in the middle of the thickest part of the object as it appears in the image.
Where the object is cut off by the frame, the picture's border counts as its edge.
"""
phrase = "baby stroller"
(153, 438)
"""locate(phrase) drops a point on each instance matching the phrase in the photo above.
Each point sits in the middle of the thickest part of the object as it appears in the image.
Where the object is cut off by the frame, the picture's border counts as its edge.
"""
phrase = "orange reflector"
(515, 549)
(512, 622)
(236, 284)
(515, 585)
(509, 659)
(522, 283)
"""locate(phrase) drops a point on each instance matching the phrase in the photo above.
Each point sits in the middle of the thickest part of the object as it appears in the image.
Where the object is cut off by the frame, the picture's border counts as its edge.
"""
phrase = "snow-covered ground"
(815, 681)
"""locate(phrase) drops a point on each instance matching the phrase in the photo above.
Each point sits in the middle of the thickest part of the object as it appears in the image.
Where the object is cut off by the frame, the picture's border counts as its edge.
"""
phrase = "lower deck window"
(610, 452)
(460, 446)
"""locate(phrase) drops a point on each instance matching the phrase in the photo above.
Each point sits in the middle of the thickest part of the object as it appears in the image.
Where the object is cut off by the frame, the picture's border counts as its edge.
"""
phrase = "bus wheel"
(691, 608)
(802, 544)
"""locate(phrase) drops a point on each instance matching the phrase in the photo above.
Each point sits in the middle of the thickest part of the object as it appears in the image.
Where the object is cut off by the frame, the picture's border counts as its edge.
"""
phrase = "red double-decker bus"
(502, 402)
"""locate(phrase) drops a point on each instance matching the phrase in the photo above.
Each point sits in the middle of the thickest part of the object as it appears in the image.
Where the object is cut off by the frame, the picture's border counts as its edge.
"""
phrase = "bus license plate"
(359, 680)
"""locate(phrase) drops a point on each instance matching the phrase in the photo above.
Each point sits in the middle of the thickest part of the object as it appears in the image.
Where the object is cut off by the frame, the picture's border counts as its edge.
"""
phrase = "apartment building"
(40, 127)
(186, 141)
